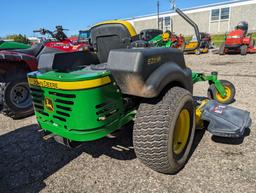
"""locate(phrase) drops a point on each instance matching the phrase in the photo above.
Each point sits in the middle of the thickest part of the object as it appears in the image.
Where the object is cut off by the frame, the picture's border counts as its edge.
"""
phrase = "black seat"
(34, 50)
(109, 36)
(148, 34)
(66, 61)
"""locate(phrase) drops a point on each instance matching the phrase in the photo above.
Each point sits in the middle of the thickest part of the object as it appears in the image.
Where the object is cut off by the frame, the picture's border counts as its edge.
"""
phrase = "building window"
(215, 14)
(161, 23)
(224, 13)
(220, 14)
(167, 21)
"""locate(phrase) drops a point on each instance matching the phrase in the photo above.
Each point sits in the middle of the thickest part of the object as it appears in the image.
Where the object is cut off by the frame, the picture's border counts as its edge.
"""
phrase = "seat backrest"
(148, 34)
(66, 61)
(111, 35)
(33, 50)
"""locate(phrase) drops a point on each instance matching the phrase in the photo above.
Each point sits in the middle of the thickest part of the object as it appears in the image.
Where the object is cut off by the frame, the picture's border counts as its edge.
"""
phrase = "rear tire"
(158, 138)
(252, 43)
(222, 49)
(17, 102)
(244, 49)
(2, 86)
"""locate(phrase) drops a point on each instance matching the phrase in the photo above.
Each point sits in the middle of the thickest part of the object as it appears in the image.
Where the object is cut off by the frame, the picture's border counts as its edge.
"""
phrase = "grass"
(218, 39)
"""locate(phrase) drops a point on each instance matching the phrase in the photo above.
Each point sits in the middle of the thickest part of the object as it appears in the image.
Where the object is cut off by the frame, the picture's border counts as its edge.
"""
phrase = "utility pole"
(158, 5)
(173, 4)
(173, 7)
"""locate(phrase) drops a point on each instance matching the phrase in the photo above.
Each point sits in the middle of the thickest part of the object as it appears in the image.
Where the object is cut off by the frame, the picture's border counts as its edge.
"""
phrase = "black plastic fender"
(167, 74)
(145, 72)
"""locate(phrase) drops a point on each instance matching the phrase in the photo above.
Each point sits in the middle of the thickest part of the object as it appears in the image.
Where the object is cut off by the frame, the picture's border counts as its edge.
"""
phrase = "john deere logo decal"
(48, 104)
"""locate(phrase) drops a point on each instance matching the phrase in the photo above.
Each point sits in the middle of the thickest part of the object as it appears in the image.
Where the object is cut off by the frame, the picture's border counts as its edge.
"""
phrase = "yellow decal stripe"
(127, 24)
(77, 85)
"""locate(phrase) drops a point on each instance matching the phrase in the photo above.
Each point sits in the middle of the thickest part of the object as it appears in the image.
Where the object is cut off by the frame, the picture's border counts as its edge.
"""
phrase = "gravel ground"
(29, 164)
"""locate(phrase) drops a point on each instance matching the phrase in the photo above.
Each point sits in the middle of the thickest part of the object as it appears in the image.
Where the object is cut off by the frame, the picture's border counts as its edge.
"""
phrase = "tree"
(18, 38)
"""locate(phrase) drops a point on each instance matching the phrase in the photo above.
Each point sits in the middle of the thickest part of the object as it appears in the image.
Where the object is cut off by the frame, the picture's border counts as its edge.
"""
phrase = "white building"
(213, 18)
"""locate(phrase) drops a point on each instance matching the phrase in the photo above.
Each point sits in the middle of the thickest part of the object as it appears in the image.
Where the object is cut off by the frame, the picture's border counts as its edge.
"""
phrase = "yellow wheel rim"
(225, 98)
(181, 132)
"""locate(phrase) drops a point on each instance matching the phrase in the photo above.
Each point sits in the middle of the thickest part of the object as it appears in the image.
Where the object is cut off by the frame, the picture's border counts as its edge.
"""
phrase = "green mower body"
(158, 41)
(83, 113)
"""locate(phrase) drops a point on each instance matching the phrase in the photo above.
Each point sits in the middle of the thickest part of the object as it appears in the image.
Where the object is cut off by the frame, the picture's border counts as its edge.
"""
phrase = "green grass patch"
(218, 39)
(188, 38)
(254, 35)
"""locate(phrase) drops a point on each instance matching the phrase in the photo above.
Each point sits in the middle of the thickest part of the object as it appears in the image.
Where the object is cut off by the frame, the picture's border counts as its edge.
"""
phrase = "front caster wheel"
(164, 131)
(197, 52)
(229, 89)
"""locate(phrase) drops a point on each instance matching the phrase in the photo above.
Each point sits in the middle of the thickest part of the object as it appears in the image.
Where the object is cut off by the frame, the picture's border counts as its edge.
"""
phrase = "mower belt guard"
(225, 121)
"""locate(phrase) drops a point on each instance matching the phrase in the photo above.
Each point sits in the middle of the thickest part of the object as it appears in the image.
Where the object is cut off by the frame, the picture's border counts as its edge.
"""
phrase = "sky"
(24, 16)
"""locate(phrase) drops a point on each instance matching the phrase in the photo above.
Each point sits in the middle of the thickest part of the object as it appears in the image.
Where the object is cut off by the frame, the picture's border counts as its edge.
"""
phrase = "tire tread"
(151, 130)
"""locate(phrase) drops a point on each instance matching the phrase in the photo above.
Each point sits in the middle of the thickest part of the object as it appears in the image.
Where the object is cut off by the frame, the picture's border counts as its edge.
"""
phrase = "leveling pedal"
(225, 121)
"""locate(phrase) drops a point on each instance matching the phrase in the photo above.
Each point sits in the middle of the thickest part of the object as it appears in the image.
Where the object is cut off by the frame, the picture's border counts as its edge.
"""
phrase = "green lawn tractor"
(78, 102)
(8, 45)
(168, 40)
(85, 96)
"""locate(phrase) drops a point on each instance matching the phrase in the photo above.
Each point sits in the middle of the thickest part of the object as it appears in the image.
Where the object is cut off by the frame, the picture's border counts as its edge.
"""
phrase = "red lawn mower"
(15, 100)
(238, 41)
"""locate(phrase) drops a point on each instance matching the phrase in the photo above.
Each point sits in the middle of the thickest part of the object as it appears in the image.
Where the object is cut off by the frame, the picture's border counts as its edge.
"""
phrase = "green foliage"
(18, 38)
(254, 35)
(218, 39)
(188, 38)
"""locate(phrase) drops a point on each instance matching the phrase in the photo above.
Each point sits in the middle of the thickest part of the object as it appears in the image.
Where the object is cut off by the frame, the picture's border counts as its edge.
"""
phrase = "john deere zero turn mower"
(78, 100)
(153, 86)
(169, 40)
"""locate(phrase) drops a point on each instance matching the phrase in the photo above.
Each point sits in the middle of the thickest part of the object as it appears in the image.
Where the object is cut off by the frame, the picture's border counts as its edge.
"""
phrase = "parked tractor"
(149, 34)
(205, 44)
(79, 97)
(169, 40)
(84, 36)
(80, 102)
(85, 96)
(15, 100)
(238, 41)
